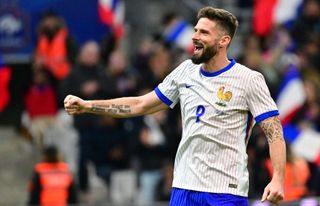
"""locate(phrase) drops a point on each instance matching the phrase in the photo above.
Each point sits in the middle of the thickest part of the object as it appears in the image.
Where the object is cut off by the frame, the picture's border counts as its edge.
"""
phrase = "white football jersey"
(217, 110)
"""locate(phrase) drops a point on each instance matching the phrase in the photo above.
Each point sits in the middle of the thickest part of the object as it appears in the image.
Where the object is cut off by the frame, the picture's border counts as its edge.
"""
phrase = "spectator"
(52, 182)
(309, 52)
(41, 106)
(309, 115)
(307, 23)
(151, 152)
(122, 78)
(88, 80)
(111, 151)
(159, 64)
(56, 50)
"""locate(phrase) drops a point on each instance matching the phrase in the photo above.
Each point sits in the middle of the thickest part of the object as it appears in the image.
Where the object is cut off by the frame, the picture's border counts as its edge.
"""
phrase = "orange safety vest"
(55, 180)
(54, 53)
(295, 179)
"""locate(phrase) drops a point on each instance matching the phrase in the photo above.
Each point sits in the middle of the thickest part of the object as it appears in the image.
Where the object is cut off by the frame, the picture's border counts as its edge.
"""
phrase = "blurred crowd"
(144, 146)
(142, 149)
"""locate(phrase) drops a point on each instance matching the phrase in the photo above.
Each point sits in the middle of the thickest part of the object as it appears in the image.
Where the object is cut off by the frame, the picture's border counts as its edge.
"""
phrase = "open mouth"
(198, 47)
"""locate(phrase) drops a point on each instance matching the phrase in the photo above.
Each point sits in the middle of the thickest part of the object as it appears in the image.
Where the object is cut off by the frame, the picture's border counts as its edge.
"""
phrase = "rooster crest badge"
(223, 97)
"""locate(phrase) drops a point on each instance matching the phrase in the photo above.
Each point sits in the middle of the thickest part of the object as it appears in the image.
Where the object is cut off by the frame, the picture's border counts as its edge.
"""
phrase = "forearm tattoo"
(111, 109)
(272, 129)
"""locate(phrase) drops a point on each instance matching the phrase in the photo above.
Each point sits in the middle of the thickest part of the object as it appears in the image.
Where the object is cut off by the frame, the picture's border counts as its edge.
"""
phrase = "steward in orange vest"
(55, 49)
(52, 183)
(296, 176)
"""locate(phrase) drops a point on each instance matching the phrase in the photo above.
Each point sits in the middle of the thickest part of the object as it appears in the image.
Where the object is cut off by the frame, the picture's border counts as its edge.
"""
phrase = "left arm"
(272, 128)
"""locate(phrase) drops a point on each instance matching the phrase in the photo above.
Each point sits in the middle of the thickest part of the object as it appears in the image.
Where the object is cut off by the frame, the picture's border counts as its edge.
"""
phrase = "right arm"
(119, 108)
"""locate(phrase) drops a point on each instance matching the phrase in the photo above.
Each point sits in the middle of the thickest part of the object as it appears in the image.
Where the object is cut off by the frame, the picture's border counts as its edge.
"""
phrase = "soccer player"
(219, 99)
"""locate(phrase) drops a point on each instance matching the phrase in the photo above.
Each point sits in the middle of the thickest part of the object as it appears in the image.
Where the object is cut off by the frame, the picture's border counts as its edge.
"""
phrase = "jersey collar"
(213, 74)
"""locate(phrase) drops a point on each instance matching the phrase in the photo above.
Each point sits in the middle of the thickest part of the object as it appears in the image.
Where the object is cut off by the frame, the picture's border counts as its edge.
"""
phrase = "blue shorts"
(182, 197)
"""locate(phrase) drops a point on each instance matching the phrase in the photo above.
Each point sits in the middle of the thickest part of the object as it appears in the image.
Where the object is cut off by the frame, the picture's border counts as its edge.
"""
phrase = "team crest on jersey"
(223, 97)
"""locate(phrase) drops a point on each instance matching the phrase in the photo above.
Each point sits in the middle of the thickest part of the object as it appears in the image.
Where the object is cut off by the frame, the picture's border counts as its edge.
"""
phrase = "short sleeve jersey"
(218, 110)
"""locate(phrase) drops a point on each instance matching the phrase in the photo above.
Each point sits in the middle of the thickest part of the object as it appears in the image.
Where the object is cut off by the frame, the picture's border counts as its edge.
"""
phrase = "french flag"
(267, 13)
(5, 76)
(291, 95)
(180, 34)
(304, 143)
(111, 13)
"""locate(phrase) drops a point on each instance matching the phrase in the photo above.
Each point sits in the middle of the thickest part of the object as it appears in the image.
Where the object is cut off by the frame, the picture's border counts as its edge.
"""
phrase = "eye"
(204, 32)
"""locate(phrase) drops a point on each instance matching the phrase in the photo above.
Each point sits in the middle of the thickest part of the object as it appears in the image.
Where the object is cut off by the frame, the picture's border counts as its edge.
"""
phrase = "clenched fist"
(74, 105)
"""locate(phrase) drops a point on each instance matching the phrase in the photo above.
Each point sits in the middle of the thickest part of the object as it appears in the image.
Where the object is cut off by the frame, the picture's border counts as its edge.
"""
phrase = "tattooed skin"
(272, 129)
(111, 109)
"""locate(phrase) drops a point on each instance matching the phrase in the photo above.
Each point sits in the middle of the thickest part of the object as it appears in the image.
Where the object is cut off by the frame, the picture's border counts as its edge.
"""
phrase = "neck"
(216, 63)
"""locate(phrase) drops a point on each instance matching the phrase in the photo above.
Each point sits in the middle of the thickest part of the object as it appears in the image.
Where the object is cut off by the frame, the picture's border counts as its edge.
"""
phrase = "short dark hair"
(226, 20)
(51, 154)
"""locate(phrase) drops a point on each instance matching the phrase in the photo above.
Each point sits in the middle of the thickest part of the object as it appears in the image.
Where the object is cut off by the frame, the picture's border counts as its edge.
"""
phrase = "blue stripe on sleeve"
(162, 97)
(264, 116)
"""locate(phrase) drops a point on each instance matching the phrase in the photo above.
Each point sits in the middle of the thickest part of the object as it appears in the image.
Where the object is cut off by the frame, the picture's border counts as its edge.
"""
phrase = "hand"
(74, 105)
(273, 192)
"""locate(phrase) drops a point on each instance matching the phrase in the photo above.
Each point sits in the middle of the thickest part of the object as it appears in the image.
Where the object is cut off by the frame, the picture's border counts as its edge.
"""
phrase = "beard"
(206, 55)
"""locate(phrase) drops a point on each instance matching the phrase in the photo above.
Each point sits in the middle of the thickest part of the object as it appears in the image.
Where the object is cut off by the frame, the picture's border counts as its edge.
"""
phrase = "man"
(52, 182)
(56, 49)
(217, 97)
(87, 80)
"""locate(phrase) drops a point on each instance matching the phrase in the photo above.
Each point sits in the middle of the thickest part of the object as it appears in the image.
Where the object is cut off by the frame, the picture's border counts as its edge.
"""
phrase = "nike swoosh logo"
(188, 85)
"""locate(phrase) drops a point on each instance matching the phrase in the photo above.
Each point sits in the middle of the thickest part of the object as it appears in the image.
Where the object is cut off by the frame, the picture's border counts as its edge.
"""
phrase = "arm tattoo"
(272, 129)
(111, 109)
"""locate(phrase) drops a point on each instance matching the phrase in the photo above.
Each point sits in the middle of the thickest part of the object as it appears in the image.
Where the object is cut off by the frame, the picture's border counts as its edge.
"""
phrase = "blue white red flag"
(180, 34)
(291, 96)
(267, 13)
(304, 143)
(111, 13)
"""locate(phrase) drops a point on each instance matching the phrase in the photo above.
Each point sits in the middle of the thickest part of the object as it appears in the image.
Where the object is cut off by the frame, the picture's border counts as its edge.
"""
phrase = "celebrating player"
(219, 99)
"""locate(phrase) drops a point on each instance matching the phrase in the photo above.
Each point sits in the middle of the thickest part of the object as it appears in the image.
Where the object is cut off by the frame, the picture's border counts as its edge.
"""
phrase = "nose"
(195, 36)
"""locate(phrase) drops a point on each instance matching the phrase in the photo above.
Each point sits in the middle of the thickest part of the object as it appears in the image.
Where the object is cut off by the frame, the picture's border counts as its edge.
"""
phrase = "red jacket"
(41, 101)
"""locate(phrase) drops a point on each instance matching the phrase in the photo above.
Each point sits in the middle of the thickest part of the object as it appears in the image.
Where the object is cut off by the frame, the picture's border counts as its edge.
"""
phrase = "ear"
(224, 41)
